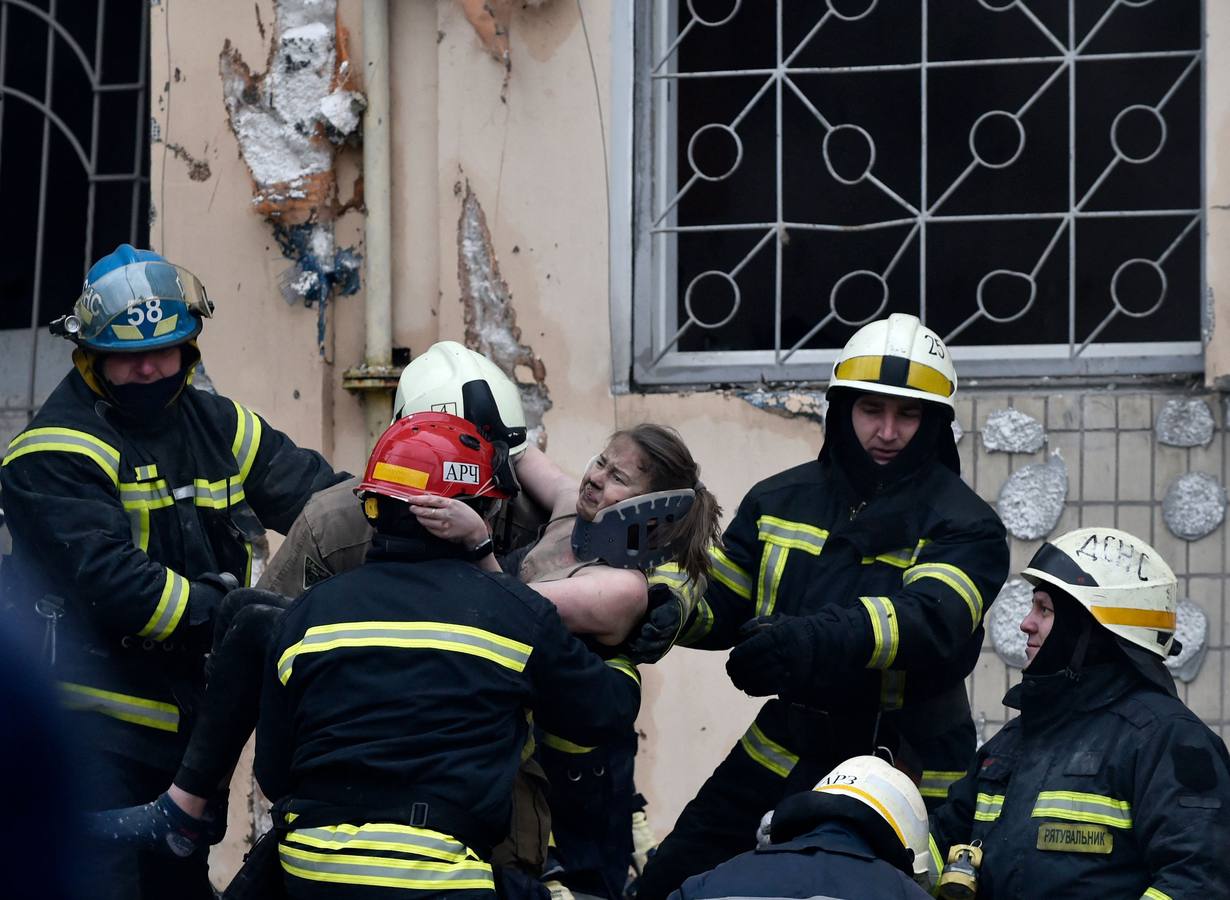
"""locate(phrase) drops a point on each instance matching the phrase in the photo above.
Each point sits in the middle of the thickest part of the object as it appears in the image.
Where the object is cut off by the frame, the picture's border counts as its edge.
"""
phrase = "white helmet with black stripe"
(1122, 581)
(899, 356)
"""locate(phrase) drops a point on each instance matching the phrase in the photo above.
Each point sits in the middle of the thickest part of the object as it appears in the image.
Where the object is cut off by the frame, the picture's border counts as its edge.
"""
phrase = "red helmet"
(433, 453)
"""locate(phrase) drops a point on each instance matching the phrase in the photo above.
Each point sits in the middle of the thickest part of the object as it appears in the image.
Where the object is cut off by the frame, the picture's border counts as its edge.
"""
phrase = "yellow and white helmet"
(899, 356)
(891, 795)
(450, 378)
(1123, 582)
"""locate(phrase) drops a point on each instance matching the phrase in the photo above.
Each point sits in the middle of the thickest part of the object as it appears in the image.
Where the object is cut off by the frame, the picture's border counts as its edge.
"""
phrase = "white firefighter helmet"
(450, 378)
(889, 793)
(1123, 582)
(899, 356)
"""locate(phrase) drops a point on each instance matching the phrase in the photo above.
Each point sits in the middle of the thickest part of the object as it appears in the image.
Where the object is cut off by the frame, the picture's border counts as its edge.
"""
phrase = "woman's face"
(1037, 624)
(615, 474)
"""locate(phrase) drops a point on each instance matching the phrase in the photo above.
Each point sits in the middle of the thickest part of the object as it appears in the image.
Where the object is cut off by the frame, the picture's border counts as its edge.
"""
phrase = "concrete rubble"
(1012, 431)
(1194, 506)
(788, 403)
(1185, 423)
(1031, 500)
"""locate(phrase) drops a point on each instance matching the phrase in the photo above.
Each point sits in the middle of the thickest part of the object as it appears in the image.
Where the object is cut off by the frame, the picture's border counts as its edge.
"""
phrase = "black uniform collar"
(390, 548)
(1047, 698)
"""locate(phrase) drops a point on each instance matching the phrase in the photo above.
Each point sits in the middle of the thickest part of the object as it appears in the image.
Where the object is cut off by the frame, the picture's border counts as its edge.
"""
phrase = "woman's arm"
(601, 601)
(545, 482)
(452, 520)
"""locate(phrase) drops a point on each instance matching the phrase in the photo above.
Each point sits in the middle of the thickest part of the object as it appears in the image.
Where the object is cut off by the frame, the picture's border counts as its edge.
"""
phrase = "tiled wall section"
(1118, 474)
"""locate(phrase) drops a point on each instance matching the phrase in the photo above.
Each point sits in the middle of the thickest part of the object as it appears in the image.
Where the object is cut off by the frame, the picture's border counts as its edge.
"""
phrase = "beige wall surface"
(532, 148)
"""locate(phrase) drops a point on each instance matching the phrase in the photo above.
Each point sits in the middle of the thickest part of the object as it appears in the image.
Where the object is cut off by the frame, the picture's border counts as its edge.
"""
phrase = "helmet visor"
(136, 292)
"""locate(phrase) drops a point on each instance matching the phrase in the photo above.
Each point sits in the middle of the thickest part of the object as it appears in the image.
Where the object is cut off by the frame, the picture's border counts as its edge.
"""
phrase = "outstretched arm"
(546, 483)
(601, 601)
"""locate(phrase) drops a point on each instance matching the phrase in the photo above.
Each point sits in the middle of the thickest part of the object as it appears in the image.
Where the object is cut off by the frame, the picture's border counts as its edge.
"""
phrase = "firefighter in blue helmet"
(852, 589)
(1106, 784)
(132, 498)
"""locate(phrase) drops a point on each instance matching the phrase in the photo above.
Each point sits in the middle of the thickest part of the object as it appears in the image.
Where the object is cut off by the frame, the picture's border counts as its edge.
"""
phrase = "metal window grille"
(1025, 175)
(74, 182)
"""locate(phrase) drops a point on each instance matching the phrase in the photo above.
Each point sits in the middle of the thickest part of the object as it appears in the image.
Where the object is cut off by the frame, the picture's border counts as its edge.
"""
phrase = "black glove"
(206, 594)
(788, 655)
(658, 630)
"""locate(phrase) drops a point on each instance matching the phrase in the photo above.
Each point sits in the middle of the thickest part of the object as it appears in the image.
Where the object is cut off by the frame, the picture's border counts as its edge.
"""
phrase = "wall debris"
(491, 21)
(1185, 423)
(290, 121)
(1031, 501)
(1194, 506)
(491, 320)
(1012, 431)
(789, 404)
(1192, 630)
(1004, 621)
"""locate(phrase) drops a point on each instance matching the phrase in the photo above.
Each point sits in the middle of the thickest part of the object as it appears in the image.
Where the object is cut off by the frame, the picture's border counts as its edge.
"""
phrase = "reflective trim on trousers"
(126, 707)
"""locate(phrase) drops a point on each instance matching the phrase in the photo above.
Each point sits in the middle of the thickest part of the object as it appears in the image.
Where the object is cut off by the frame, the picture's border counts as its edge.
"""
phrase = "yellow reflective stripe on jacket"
(138, 710)
(892, 689)
(724, 570)
(563, 745)
(962, 585)
(795, 535)
(884, 634)
(683, 588)
(145, 494)
(1154, 894)
(221, 494)
(987, 807)
(66, 440)
(396, 838)
(145, 473)
(408, 635)
(937, 860)
(936, 784)
(766, 751)
(772, 565)
(902, 559)
(384, 871)
(1079, 807)
(247, 440)
(702, 624)
(623, 664)
(170, 608)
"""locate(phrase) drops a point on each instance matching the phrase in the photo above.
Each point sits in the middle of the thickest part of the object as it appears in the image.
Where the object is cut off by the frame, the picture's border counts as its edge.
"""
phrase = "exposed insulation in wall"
(290, 121)
(491, 320)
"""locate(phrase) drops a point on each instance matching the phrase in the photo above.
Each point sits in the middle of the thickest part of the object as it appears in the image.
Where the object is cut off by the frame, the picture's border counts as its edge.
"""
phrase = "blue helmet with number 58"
(134, 301)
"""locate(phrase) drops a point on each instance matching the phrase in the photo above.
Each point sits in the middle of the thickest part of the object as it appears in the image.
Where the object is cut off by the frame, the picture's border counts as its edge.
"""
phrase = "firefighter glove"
(787, 655)
(207, 593)
(658, 629)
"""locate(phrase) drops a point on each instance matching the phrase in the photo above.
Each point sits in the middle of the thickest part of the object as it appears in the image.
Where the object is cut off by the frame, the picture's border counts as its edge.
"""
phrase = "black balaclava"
(933, 440)
(146, 402)
(398, 531)
(1075, 641)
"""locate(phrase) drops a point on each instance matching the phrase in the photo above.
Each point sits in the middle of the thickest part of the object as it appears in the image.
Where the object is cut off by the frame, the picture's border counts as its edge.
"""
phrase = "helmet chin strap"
(621, 535)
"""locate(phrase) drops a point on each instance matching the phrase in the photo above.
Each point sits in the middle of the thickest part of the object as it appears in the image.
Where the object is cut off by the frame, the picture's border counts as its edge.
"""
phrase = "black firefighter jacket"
(1102, 787)
(118, 519)
(408, 680)
(911, 573)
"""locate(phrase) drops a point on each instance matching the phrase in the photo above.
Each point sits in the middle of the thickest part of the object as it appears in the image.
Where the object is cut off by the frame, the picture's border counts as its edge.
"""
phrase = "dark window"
(820, 164)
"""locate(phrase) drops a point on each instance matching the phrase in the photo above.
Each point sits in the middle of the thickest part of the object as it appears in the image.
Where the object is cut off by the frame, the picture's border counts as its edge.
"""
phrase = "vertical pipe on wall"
(378, 315)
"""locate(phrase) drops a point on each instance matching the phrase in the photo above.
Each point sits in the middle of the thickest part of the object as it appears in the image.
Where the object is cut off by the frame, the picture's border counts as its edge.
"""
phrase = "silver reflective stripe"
(776, 530)
(386, 871)
(183, 493)
(127, 708)
(418, 841)
(143, 492)
(729, 574)
(771, 566)
(170, 609)
(766, 751)
(885, 638)
(69, 440)
(247, 439)
(988, 807)
(960, 583)
(408, 635)
(1080, 807)
(218, 494)
(936, 784)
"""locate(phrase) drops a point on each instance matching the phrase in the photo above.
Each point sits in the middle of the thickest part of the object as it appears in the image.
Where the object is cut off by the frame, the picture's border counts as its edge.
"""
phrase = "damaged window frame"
(645, 290)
